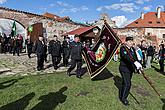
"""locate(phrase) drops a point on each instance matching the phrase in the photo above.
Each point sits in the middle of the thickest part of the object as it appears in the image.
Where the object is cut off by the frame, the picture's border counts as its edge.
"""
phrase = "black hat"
(40, 35)
(128, 38)
(76, 36)
(67, 37)
(55, 35)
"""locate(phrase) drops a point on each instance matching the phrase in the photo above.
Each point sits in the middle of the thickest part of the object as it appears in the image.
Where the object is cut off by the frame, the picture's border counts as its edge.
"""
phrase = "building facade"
(149, 26)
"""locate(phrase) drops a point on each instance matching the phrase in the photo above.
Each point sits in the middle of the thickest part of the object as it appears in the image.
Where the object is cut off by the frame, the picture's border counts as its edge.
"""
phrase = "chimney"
(142, 15)
(158, 12)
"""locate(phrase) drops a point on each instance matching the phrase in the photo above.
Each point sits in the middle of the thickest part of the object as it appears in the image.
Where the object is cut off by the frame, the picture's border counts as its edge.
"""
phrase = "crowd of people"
(146, 53)
(11, 44)
(57, 49)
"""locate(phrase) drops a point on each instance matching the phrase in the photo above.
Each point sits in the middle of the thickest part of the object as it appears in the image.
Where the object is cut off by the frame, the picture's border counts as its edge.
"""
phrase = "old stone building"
(42, 24)
(104, 17)
(149, 26)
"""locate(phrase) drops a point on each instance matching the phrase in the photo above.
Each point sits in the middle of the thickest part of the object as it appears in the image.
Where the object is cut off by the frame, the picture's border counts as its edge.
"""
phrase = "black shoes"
(56, 67)
(78, 76)
(68, 73)
(125, 102)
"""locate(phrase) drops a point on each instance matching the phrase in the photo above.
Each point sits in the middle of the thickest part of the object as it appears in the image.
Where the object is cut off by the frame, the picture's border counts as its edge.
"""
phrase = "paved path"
(22, 65)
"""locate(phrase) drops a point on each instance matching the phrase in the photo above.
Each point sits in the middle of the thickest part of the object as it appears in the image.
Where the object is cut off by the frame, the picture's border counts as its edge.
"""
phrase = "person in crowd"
(29, 45)
(139, 54)
(46, 49)
(76, 56)
(17, 46)
(39, 48)
(66, 51)
(161, 57)
(143, 48)
(150, 53)
(55, 51)
(116, 55)
(128, 64)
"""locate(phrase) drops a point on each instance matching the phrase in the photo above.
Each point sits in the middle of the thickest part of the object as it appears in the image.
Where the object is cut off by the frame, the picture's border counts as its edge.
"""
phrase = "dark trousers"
(126, 82)
(144, 60)
(161, 63)
(56, 60)
(29, 50)
(10, 49)
(40, 61)
(75, 62)
(65, 59)
(45, 57)
(16, 50)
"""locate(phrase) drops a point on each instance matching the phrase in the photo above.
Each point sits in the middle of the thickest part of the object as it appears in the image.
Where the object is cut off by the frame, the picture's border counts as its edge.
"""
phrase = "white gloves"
(138, 65)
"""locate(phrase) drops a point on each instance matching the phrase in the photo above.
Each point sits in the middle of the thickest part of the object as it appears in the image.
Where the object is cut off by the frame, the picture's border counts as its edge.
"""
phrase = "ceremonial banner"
(100, 55)
(14, 31)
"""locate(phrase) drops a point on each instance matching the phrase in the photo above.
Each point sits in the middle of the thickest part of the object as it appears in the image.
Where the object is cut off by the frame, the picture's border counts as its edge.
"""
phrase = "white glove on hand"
(138, 65)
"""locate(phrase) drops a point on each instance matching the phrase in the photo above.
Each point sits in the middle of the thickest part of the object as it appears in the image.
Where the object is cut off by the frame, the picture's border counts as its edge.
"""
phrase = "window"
(136, 22)
(150, 22)
(158, 22)
(148, 34)
(163, 36)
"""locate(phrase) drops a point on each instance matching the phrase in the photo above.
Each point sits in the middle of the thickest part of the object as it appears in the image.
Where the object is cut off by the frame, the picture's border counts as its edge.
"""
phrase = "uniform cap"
(128, 38)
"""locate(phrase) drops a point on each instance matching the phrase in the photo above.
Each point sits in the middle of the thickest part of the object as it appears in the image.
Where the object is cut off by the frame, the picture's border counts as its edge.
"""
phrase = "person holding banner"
(128, 64)
(76, 56)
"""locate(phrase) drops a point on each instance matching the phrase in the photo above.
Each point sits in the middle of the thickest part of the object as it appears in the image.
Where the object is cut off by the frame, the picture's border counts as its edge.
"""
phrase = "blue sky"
(122, 11)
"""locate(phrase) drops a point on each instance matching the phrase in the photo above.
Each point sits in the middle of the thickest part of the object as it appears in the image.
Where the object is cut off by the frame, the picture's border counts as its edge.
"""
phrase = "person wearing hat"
(128, 64)
(54, 49)
(40, 50)
(29, 45)
(76, 56)
(66, 51)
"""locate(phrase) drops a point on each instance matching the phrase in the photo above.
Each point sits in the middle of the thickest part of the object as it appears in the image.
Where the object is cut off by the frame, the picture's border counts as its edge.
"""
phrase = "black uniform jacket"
(76, 50)
(40, 48)
(55, 48)
(128, 57)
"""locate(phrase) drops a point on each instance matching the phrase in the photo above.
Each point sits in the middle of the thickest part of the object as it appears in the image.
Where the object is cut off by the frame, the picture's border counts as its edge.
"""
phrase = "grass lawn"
(60, 92)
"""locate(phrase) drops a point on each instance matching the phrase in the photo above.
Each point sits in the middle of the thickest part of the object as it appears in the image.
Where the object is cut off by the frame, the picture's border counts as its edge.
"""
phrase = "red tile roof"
(49, 15)
(80, 31)
(58, 18)
(150, 20)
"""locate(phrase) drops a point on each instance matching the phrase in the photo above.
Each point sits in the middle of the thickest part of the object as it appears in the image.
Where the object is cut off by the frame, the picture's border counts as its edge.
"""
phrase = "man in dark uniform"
(76, 56)
(66, 51)
(40, 51)
(161, 57)
(55, 51)
(17, 46)
(128, 63)
(29, 44)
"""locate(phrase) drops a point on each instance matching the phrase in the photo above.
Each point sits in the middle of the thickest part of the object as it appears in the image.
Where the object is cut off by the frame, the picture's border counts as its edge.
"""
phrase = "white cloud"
(63, 4)
(125, 0)
(74, 9)
(147, 8)
(69, 8)
(121, 21)
(84, 8)
(99, 8)
(3, 1)
(142, 1)
(126, 7)
(52, 5)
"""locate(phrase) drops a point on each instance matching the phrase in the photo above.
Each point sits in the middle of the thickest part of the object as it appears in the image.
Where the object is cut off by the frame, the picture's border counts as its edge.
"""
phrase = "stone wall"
(50, 26)
(140, 34)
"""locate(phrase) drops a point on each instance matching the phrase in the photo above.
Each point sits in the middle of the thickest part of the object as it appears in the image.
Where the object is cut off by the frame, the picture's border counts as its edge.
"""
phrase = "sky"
(121, 11)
